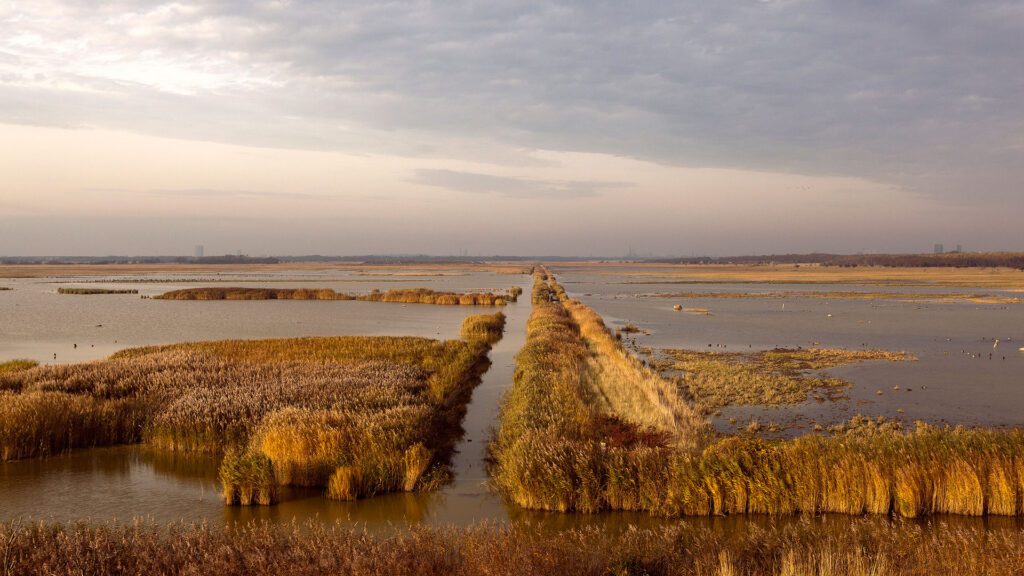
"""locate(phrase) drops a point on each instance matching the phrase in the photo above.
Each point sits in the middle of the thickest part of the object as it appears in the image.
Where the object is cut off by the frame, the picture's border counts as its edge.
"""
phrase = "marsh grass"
(404, 296)
(284, 411)
(772, 377)
(93, 291)
(807, 548)
(16, 365)
(486, 327)
(586, 427)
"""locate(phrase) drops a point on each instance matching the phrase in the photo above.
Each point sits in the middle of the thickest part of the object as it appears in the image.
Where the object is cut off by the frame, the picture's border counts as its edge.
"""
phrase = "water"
(953, 381)
(36, 322)
(125, 483)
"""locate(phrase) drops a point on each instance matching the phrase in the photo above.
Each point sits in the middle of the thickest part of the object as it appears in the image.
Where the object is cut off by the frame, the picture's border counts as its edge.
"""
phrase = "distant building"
(959, 249)
(939, 249)
(199, 250)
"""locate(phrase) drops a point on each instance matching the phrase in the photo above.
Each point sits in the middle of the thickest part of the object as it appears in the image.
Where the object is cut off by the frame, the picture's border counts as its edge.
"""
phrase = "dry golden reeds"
(286, 411)
(404, 296)
(810, 547)
(586, 427)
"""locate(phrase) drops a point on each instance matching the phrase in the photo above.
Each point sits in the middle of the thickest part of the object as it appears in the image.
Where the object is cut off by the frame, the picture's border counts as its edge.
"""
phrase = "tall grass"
(285, 411)
(404, 296)
(91, 291)
(778, 376)
(486, 327)
(233, 293)
(585, 427)
(808, 548)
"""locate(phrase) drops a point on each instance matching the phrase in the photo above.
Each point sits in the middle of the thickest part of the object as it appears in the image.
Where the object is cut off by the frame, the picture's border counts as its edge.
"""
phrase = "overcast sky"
(585, 128)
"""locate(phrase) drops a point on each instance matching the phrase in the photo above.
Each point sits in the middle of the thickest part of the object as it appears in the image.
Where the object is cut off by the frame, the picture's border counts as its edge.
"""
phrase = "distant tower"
(959, 249)
(199, 250)
(939, 249)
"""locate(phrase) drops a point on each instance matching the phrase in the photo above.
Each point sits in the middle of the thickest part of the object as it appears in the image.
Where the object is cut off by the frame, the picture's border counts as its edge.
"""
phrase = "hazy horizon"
(673, 129)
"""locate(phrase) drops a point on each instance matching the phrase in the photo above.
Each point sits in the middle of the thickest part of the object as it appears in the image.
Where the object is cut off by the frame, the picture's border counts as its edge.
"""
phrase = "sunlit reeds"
(403, 296)
(486, 327)
(778, 376)
(810, 547)
(586, 427)
(286, 411)
(92, 291)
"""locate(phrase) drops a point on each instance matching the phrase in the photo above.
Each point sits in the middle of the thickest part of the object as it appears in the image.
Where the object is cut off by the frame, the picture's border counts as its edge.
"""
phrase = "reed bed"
(284, 412)
(233, 293)
(586, 427)
(16, 365)
(771, 377)
(486, 327)
(425, 296)
(404, 296)
(806, 548)
(93, 291)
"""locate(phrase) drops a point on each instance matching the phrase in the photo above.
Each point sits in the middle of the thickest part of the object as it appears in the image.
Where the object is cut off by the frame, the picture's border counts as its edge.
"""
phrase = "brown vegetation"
(93, 291)
(863, 547)
(585, 428)
(405, 296)
(772, 377)
(287, 411)
(487, 327)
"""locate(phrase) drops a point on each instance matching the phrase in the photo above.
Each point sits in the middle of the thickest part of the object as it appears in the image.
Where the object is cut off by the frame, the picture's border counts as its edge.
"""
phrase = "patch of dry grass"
(285, 411)
(486, 327)
(404, 296)
(94, 291)
(584, 428)
(772, 377)
(863, 547)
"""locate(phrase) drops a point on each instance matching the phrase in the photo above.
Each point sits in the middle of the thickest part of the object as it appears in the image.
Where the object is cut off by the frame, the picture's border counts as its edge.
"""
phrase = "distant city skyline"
(709, 128)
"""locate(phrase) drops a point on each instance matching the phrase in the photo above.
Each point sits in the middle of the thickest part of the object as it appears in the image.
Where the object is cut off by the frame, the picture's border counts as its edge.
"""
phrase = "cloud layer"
(926, 96)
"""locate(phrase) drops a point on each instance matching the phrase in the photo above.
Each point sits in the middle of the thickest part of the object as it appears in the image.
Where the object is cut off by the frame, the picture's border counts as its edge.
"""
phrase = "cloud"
(921, 94)
(510, 187)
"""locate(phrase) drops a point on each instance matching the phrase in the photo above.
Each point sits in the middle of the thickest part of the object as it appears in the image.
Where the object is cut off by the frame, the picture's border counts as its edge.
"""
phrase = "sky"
(584, 128)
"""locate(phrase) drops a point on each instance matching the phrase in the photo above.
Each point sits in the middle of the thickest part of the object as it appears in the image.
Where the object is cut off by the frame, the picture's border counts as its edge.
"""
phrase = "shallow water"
(124, 483)
(36, 322)
(953, 381)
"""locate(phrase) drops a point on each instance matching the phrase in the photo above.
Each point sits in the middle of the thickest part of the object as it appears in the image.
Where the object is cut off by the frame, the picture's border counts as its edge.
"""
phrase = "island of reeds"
(355, 416)
(403, 296)
(587, 427)
(713, 379)
(95, 291)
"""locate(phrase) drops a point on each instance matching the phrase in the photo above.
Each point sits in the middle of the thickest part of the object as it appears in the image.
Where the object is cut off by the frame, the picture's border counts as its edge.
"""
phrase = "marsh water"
(125, 483)
(961, 376)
